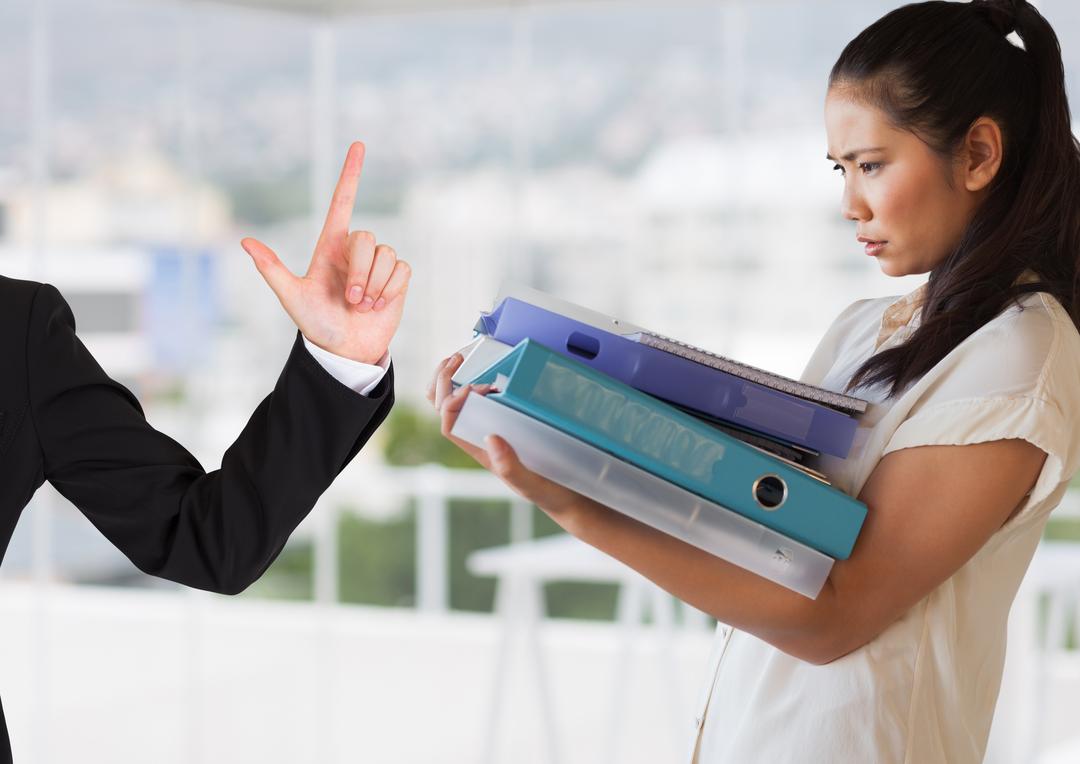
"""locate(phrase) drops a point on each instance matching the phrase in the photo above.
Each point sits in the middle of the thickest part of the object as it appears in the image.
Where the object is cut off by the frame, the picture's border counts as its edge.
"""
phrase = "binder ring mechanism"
(770, 492)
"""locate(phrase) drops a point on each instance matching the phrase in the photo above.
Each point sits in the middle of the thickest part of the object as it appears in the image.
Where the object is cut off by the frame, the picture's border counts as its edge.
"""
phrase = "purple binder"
(675, 379)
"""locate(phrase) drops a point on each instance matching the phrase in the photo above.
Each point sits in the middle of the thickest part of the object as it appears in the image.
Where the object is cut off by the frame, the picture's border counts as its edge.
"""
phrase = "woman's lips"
(875, 247)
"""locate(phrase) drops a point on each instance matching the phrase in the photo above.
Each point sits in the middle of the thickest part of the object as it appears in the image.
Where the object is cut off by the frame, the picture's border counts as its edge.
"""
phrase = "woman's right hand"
(448, 403)
(498, 457)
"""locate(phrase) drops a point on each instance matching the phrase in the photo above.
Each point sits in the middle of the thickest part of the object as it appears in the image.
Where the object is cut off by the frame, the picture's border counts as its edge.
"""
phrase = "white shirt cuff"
(361, 377)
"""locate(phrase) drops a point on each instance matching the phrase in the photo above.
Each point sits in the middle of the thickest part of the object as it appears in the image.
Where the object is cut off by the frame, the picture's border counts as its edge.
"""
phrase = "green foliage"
(574, 599)
(377, 559)
(378, 563)
(413, 438)
(1062, 529)
(475, 525)
(289, 577)
(577, 599)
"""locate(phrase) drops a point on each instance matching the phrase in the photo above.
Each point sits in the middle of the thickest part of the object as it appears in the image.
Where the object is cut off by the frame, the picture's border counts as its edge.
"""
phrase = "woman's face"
(909, 206)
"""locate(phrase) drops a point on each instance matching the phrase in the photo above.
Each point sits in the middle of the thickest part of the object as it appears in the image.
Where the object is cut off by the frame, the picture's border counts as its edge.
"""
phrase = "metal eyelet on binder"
(770, 492)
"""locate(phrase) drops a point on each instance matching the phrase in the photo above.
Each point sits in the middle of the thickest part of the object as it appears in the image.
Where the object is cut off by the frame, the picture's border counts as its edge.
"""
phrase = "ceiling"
(360, 7)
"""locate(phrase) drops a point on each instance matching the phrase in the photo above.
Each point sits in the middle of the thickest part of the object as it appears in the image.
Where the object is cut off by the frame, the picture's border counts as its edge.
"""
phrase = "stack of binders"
(698, 446)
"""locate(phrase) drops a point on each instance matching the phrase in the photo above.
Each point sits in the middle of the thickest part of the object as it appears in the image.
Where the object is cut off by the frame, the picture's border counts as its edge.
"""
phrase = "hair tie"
(1002, 14)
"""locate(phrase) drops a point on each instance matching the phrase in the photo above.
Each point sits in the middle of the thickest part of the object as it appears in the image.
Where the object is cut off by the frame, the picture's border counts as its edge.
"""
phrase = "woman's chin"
(893, 268)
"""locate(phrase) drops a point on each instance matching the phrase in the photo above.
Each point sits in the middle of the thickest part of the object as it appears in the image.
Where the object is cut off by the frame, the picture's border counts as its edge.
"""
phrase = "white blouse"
(923, 691)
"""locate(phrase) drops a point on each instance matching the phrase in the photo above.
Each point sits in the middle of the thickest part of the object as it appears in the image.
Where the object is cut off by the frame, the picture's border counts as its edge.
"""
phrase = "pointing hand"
(350, 300)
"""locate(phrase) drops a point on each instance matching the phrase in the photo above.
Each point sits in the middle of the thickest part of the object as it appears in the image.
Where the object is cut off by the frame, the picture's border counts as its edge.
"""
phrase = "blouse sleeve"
(966, 422)
(996, 386)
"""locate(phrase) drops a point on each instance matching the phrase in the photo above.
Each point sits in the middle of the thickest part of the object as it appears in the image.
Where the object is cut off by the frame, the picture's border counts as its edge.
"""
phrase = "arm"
(148, 495)
(929, 510)
(217, 531)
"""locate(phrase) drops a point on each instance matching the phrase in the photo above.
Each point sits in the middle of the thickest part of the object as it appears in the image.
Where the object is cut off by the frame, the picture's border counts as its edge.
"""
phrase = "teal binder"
(657, 437)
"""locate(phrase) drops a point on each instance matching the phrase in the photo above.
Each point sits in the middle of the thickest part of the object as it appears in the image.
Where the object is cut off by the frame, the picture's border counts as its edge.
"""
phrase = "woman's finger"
(545, 493)
(507, 466)
(448, 415)
(454, 402)
(381, 268)
(479, 454)
(430, 393)
(443, 384)
(360, 251)
(396, 286)
(450, 407)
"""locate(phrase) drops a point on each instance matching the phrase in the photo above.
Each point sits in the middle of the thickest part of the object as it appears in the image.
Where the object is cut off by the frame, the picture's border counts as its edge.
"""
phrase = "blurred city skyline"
(637, 157)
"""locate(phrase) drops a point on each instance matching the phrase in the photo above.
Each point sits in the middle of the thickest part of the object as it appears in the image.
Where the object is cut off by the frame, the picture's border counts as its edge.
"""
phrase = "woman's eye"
(868, 167)
(838, 167)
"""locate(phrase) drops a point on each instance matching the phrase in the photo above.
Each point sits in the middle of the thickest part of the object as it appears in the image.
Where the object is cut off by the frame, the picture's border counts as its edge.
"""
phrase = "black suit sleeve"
(150, 497)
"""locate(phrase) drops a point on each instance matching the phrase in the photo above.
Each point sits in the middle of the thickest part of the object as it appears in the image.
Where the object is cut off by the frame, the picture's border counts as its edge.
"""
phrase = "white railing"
(433, 487)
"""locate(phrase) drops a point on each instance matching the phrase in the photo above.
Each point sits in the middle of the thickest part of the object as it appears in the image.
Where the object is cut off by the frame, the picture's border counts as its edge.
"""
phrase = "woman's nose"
(853, 206)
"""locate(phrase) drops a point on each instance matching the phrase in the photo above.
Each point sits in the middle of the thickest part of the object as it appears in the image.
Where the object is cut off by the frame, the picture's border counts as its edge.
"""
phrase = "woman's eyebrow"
(851, 155)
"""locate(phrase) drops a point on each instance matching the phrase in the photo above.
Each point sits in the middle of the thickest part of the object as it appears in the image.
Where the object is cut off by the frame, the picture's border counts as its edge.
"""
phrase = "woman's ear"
(982, 154)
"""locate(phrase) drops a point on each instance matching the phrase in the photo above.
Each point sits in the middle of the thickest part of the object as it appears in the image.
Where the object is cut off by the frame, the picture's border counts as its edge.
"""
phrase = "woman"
(957, 160)
(63, 420)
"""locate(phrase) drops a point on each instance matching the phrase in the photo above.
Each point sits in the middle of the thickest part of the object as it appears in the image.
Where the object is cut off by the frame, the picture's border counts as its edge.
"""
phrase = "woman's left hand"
(498, 456)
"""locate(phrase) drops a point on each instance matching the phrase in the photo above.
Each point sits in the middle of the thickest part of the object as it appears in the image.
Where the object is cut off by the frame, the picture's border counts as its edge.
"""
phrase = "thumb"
(505, 464)
(280, 278)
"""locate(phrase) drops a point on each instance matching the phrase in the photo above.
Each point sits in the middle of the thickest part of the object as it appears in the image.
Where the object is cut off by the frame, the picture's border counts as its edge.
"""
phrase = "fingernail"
(355, 294)
(366, 304)
(379, 303)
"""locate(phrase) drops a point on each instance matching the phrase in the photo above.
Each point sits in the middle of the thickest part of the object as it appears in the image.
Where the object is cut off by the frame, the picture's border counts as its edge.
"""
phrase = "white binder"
(645, 497)
(479, 355)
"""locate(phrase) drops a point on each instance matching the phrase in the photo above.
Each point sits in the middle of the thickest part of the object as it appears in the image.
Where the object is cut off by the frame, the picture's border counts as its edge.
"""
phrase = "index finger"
(341, 204)
(443, 380)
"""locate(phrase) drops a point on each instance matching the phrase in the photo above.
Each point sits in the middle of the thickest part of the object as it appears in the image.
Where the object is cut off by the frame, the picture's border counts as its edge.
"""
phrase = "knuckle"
(362, 238)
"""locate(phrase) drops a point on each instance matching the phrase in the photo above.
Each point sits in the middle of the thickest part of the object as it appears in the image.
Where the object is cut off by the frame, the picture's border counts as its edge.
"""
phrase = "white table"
(521, 571)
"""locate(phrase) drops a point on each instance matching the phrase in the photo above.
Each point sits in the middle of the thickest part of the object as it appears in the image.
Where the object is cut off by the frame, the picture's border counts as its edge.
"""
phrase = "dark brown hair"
(934, 68)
